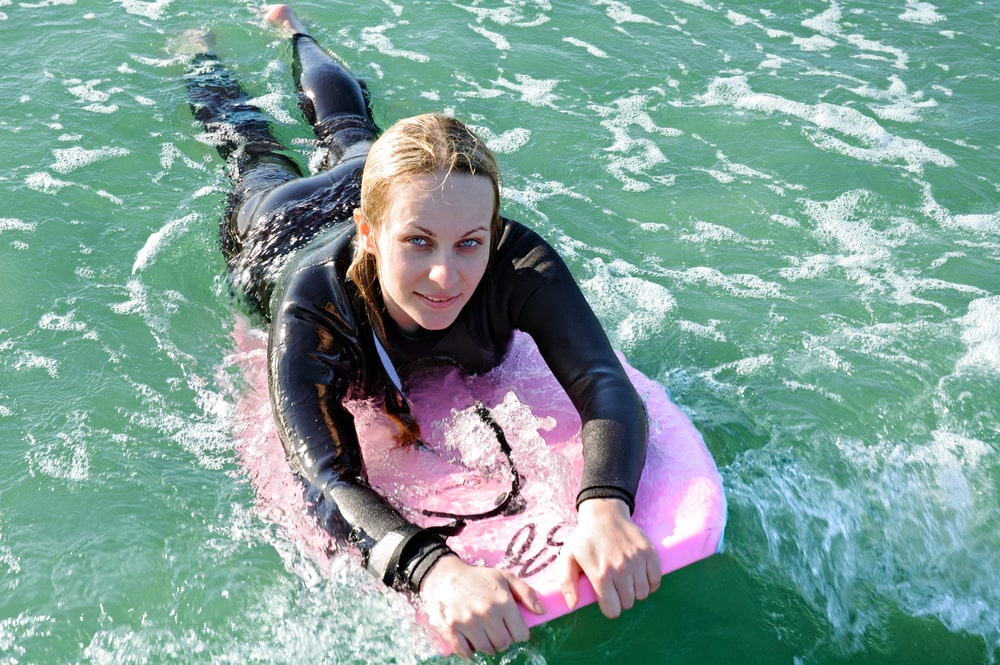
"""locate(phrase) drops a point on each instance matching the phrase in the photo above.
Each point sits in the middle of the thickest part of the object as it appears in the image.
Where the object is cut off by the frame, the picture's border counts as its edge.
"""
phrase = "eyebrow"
(468, 233)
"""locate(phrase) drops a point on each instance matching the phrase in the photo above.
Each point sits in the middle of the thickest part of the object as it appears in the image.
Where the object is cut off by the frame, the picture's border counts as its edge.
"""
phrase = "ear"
(366, 235)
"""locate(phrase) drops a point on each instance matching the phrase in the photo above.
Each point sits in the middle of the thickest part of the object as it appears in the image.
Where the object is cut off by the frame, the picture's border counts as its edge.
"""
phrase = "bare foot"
(195, 41)
(284, 17)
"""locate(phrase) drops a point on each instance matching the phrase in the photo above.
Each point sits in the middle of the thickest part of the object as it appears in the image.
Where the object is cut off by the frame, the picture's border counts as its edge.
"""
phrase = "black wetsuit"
(289, 241)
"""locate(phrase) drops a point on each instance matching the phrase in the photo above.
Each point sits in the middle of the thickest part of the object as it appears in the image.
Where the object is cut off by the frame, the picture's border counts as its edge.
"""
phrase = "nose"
(443, 272)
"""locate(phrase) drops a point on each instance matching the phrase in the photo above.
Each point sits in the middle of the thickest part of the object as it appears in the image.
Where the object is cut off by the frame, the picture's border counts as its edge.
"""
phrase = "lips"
(438, 301)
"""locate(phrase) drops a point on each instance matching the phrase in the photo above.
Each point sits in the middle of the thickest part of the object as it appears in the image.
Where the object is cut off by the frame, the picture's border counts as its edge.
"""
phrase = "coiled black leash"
(510, 503)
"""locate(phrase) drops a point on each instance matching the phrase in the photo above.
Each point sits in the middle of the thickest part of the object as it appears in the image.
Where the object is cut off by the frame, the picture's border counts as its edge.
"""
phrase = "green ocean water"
(788, 213)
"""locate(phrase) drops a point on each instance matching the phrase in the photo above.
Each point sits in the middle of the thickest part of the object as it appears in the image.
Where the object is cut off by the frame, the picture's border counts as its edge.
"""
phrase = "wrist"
(605, 492)
(604, 507)
(439, 569)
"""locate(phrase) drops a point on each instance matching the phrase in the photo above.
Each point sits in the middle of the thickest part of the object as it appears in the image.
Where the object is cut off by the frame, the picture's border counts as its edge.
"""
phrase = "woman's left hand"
(615, 555)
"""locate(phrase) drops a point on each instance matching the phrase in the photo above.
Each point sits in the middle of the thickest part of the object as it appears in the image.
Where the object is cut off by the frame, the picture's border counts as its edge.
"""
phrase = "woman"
(393, 256)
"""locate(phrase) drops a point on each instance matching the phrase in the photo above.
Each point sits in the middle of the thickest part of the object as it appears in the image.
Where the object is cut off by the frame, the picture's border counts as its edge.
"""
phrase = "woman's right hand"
(476, 609)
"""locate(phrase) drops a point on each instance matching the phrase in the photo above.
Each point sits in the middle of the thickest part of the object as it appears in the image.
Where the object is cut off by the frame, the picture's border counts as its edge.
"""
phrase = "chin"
(439, 322)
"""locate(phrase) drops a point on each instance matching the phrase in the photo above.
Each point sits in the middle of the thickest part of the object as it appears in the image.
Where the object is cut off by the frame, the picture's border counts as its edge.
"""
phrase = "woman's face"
(432, 248)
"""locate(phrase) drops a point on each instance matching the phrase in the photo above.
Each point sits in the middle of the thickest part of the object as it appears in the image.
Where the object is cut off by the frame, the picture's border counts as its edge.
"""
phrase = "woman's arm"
(615, 554)
(314, 360)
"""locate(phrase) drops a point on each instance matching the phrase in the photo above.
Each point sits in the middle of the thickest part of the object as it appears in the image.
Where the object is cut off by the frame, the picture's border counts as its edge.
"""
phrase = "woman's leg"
(325, 83)
(242, 135)
(334, 102)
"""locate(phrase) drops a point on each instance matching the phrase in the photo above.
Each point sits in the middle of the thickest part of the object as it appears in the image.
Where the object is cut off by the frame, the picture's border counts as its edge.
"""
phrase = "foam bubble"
(738, 285)
(981, 335)
(590, 48)
(634, 155)
(12, 563)
(377, 39)
(814, 43)
(499, 41)
(509, 142)
(828, 121)
(512, 14)
(44, 182)
(65, 458)
(62, 322)
(29, 360)
(828, 23)
(69, 159)
(700, 4)
(86, 91)
(537, 92)
(23, 627)
(272, 103)
(619, 12)
(640, 306)
(11, 224)
(151, 10)
(708, 232)
(160, 238)
(986, 224)
(921, 12)
(737, 18)
(744, 366)
(710, 331)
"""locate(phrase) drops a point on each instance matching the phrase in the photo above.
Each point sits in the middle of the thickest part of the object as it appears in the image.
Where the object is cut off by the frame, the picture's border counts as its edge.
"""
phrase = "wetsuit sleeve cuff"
(606, 493)
(403, 557)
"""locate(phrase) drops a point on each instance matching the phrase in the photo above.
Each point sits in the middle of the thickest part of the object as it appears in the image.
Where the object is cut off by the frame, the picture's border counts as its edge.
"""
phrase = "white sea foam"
(11, 563)
(899, 104)
(981, 336)
(814, 43)
(708, 331)
(506, 143)
(619, 12)
(537, 92)
(70, 159)
(62, 322)
(64, 458)
(513, 14)
(151, 10)
(633, 156)
(499, 41)
(86, 91)
(983, 224)
(29, 360)
(536, 191)
(827, 23)
(377, 38)
(11, 224)
(921, 12)
(160, 238)
(851, 545)
(706, 232)
(590, 48)
(737, 285)
(42, 181)
(14, 630)
(744, 366)
(272, 103)
(737, 18)
(701, 4)
(828, 122)
(639, 305)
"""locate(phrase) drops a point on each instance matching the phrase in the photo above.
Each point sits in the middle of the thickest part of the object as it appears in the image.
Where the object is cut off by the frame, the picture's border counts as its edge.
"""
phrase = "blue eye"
(418, 241)
(470, 242)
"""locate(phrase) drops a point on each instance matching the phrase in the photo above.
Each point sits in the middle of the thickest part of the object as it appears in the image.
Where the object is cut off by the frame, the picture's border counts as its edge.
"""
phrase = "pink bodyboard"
(460, 468)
